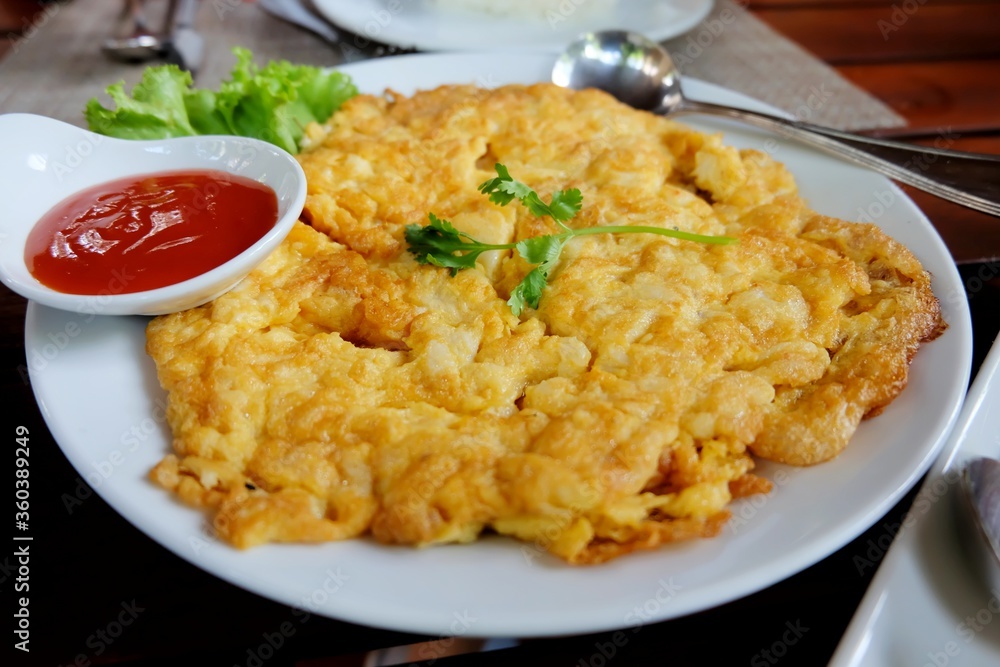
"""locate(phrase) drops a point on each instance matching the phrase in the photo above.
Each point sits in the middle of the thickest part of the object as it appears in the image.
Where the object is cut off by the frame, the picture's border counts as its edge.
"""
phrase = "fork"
(301, 13)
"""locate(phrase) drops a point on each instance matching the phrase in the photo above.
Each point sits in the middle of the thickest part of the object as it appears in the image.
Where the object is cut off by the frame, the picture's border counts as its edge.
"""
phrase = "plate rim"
(828, 543)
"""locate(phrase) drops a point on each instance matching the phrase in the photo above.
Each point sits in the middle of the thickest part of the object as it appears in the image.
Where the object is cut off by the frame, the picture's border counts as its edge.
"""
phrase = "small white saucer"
(45, 160)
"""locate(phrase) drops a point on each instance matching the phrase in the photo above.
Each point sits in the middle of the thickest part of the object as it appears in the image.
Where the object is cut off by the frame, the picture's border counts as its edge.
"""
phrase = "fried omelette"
(344, 390)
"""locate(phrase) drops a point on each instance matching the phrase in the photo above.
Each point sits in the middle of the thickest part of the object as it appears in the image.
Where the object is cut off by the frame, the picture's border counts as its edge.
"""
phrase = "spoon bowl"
(640, 73)
(630, 67)
(132, 41)
(136, 48)
(45, 160)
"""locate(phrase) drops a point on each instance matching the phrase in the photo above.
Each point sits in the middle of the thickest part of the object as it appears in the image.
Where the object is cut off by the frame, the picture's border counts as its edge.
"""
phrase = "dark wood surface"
(940, 70)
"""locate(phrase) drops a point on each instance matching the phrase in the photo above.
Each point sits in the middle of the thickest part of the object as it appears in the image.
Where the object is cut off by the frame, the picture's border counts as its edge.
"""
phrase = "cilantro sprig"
(503, 190)
(440, 244)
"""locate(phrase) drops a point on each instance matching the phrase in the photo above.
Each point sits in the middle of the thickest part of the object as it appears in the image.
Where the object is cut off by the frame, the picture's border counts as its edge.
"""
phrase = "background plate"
(410, 23)
(928, 603)
(98, 393)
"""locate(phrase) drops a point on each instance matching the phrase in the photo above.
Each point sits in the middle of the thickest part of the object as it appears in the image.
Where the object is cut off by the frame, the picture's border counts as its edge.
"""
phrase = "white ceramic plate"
(928, 605)
(412, 23)
(99, 395)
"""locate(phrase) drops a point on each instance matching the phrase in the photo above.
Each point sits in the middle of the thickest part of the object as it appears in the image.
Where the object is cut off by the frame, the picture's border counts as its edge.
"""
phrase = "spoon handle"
(968, 179)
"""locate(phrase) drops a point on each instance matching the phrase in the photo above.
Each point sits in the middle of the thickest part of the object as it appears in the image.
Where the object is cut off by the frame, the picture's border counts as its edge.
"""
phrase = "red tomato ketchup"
(143, 232)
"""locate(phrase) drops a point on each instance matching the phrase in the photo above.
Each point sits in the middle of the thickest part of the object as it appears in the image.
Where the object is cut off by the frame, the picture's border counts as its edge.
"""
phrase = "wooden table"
(935, 62)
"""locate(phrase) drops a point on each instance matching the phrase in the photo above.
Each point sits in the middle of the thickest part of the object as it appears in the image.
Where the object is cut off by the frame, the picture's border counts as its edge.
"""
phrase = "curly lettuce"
(273, 103)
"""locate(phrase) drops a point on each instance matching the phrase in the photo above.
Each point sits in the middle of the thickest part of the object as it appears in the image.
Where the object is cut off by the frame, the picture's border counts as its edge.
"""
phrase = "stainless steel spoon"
(981, 497)
(132, 40)
(640, 73)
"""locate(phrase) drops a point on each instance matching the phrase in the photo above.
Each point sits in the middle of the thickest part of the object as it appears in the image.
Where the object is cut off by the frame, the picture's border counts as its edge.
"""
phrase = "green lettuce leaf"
(155, 110)
(274, 103)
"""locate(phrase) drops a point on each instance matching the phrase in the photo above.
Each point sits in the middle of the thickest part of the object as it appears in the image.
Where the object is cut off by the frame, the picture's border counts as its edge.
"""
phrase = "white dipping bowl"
(43, 161)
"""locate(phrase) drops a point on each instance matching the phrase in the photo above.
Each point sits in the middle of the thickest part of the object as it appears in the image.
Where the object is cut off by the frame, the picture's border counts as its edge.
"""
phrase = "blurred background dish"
(521, 25)
(529, 10)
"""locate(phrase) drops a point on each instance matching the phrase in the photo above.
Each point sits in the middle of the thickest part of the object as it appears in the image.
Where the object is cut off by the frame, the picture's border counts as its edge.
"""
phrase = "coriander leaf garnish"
(440, 244)
(528, 292)
(541, 249)
(503, 189)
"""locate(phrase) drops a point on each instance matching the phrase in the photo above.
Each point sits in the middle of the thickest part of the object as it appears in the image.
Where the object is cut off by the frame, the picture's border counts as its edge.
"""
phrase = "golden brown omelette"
(343, 390)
